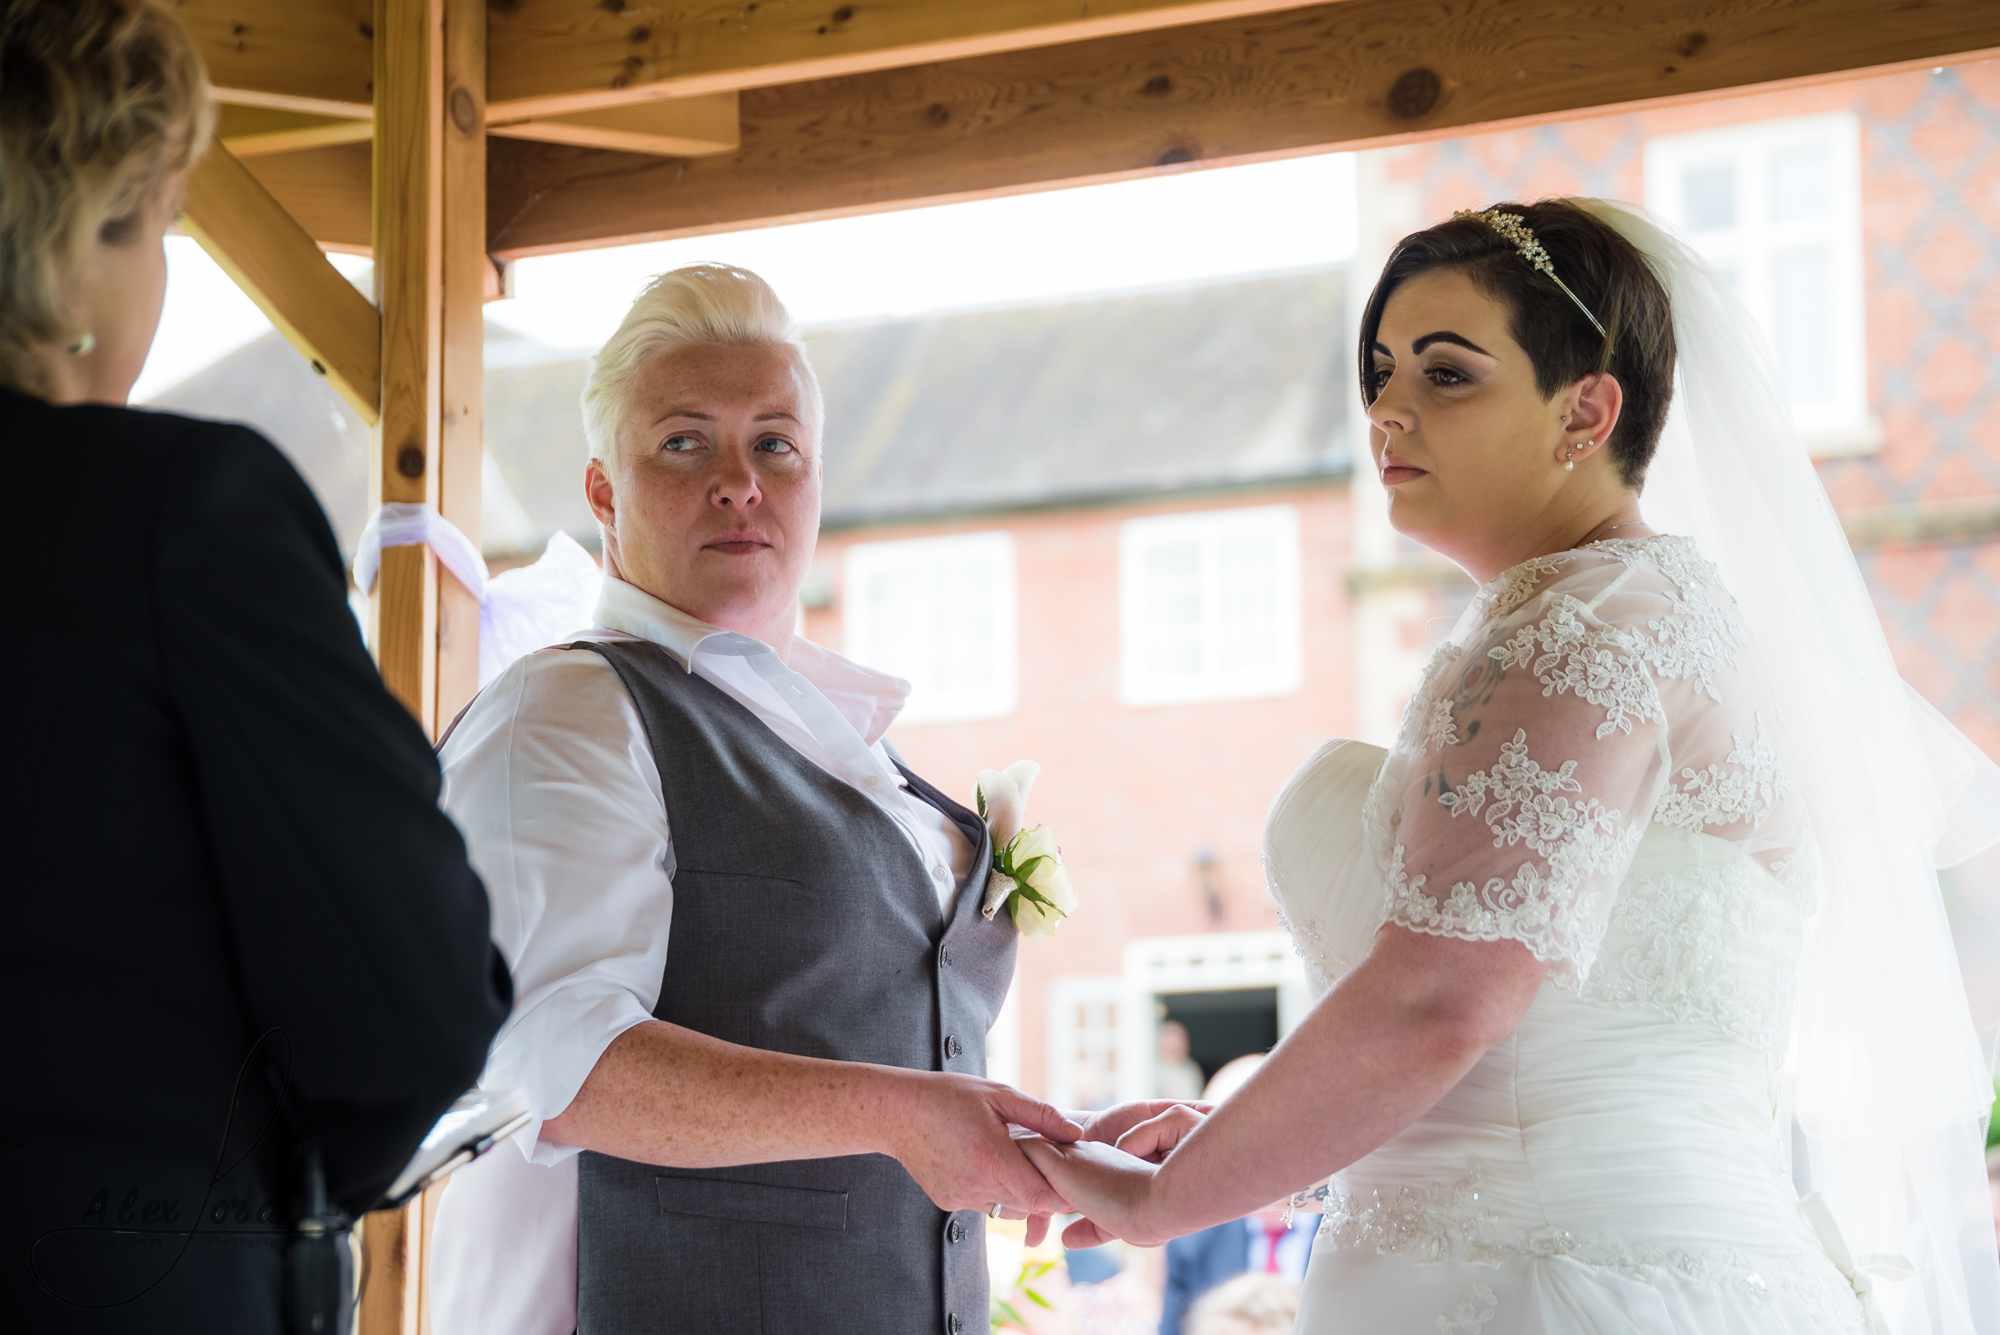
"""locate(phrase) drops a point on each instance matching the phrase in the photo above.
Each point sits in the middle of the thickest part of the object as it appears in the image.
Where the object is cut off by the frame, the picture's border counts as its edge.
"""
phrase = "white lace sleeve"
(1529, 766)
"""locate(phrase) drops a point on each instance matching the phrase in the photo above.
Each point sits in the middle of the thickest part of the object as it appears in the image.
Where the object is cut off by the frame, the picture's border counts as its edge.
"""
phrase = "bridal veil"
(1889, 1088)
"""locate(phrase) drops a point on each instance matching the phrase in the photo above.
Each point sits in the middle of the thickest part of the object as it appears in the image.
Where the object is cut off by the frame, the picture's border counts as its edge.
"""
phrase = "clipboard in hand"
(476, 1121)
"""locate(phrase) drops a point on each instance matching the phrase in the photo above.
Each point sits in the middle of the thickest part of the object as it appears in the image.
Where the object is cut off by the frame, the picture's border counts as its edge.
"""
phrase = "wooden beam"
(1354, 74)
(326, 189)
(468, 276)
(251, 132)
(314, 56)
(685, 127)
(274, 260)
(409, 283)
(551, 57)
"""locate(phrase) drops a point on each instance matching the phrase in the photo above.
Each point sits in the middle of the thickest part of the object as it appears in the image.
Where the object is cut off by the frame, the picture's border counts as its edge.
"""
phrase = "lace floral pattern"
(1516, 586)
(1607, 626)
(1544, 907)
(1442, 1220)
(1309, 944)
(1569, 651)
(1700, 637)
(1743, 789)
(1683, 927)
(1474, 1310)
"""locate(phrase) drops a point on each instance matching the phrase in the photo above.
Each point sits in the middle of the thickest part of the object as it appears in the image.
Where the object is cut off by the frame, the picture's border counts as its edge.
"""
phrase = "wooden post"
(409, 287)
(467, 275)
(429, 231)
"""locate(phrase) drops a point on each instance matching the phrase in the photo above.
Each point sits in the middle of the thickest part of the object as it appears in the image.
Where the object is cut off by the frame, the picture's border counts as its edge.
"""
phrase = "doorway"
(1222, 1026)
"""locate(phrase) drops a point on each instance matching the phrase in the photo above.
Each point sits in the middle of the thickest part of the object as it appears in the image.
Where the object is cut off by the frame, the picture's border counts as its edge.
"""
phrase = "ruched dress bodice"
(1588, 768)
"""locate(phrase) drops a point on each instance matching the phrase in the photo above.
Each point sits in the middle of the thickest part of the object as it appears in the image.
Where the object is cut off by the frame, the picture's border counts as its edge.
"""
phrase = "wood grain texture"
(302, 55)
(409, 283)
(274, 260)
(251, 132)
(1302, 81)
(388, 1237)
(466, 275)
(326, 190)
(557, 56)
(685, 127)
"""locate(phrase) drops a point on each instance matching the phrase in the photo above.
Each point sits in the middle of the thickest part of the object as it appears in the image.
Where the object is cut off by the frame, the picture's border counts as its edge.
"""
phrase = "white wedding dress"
(1592, 767)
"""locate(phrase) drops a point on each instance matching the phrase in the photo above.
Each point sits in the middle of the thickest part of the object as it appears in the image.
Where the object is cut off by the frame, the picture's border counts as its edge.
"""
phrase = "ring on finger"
(994, 1213)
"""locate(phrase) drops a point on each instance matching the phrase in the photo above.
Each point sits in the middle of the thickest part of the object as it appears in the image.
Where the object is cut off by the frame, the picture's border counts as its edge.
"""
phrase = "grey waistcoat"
(805, 923)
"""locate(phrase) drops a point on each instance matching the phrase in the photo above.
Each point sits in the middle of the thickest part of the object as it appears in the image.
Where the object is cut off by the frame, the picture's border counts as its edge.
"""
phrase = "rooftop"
(1193, 387)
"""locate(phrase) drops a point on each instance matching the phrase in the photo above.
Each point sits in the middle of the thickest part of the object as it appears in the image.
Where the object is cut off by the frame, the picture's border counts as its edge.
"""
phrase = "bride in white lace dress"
(1557, 929)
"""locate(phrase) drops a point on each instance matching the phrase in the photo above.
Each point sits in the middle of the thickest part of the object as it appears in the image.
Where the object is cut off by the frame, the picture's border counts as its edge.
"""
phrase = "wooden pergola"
(448, 138)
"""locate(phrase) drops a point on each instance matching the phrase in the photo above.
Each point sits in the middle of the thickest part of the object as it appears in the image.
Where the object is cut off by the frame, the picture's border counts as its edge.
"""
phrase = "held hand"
(950, 1132)
(1112, 1188)
(1115, 1122)
(1154, 1139)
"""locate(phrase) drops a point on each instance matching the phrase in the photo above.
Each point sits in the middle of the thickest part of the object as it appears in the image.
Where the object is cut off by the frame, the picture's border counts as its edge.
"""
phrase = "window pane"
(1803, 309)
(1173, 609)
(1246, 601)
(1709, 195)
(962, 627)
(899, 620)
(1801, 183)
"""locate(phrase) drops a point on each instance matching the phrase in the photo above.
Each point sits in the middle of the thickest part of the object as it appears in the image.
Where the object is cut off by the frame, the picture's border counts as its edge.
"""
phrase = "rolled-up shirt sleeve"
(551, 778)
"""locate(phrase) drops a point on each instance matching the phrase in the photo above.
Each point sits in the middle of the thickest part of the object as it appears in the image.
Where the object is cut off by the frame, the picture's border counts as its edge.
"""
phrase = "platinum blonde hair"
(100, 102)
(702, 304)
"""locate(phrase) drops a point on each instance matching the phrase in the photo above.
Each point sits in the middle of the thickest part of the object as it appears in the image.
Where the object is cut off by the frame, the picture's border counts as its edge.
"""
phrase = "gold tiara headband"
(1515, 229)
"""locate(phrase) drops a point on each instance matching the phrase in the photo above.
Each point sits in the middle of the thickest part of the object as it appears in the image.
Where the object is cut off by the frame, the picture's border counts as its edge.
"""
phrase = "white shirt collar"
(867, 699)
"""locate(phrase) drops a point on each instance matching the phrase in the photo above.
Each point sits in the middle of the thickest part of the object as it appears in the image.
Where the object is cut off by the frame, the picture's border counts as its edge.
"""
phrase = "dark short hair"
(1608, 275)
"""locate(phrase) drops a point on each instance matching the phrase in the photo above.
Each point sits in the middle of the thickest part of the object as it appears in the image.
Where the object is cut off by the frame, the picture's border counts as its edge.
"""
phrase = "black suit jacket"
(234, 917)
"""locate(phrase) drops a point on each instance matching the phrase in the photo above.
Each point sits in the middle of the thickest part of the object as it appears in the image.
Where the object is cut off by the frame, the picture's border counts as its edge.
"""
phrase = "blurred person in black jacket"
(235, 922)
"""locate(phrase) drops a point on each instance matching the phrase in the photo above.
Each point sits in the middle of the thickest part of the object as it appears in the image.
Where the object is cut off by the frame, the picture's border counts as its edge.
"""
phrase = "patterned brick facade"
(1922, 508)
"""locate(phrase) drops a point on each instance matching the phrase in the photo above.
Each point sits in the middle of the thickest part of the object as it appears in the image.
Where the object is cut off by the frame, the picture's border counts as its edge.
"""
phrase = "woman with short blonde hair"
(103, 108)
(238, 929)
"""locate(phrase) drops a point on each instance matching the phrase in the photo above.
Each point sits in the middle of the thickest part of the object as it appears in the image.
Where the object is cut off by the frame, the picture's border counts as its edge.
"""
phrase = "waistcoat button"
(944, 956)
(954, 1231)
(951, 1045)
(953, 1324)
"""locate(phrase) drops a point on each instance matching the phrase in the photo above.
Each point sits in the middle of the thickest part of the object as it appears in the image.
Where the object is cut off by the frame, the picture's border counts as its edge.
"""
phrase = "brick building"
(1859, 220)
(1120, 535)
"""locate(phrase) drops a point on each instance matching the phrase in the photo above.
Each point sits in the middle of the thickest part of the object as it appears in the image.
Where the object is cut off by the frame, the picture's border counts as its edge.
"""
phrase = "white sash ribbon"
(520, 610)
(414, 524)
(1861, 1271)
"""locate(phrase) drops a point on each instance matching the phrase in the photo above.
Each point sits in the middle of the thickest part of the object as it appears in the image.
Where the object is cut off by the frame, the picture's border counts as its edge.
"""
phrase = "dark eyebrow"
(1446, 336)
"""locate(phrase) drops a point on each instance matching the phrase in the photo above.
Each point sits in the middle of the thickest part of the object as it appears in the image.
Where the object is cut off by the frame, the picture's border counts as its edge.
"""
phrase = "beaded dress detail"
(1591, 766)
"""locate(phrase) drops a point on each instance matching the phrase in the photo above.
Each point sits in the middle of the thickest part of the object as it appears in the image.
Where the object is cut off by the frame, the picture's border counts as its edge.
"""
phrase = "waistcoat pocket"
(752, 1202)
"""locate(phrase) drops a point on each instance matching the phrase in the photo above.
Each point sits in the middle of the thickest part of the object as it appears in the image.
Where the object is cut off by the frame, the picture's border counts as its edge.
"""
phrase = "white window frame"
(1844, 425)
(1158, 966)
(1280, 673)
(1070, 1044)
(930, 703)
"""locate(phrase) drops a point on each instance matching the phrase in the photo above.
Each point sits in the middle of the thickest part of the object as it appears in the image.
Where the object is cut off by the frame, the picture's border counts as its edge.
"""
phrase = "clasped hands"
(983, 1144)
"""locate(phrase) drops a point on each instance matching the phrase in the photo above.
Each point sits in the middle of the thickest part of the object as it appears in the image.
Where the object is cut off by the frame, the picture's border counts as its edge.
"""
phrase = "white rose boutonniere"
(1027, 864)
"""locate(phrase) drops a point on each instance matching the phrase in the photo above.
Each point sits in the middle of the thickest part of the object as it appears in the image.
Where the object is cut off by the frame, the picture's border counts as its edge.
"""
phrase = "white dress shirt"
(553, 782)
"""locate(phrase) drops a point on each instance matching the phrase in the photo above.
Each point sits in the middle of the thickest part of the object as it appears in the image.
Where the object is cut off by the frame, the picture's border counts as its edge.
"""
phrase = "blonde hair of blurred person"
(104, 105)
(1231, 1076)
(703, 417)
(1246, 1305)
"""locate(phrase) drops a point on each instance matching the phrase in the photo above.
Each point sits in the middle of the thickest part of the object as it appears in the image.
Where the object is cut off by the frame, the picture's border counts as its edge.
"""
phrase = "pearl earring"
(1569, 464)
(84, 346)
